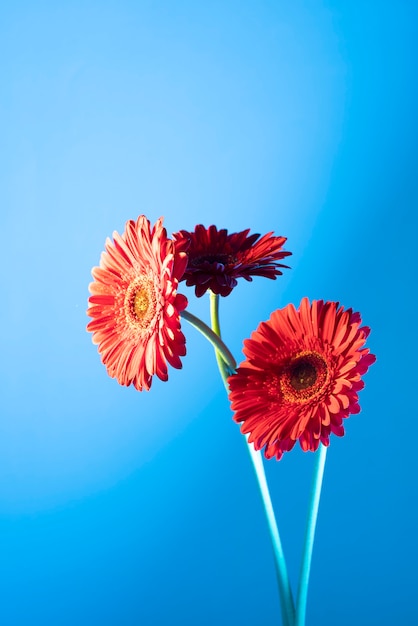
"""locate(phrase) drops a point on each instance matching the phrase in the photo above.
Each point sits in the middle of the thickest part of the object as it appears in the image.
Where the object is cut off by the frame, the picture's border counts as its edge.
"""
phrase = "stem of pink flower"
(286, 597)
(301, 601)
(211, 336)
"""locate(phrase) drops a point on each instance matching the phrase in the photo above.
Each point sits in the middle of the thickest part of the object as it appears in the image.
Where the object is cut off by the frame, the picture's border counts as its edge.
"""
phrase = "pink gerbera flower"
(135, 305)
(301, 376)
(216, 260)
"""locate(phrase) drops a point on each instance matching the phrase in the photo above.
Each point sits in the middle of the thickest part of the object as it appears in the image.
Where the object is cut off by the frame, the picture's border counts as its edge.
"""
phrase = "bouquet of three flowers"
(303, 367)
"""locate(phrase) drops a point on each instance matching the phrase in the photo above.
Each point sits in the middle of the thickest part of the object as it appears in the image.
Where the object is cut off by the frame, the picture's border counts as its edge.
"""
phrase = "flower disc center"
(140, 303)
(305, 377)
(302, 375)
(222, 259)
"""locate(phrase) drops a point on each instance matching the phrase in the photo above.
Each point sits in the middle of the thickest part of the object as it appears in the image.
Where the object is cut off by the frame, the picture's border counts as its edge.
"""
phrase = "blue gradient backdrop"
(121, 508)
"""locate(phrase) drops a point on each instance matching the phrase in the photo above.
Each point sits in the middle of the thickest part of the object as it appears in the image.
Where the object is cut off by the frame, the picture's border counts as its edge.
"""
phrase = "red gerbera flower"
(217, 259)
(301, 377)
(135, 305)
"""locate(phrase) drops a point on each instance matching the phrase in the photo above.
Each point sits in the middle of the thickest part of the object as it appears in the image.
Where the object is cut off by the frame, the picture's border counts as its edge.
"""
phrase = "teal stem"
(320, 457)
(285, 591)
(286, 597)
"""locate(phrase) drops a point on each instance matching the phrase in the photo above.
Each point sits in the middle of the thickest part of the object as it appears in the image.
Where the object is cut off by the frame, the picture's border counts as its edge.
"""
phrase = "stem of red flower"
(286, 597)
(214, 319)
(211, 336)
(320, 458)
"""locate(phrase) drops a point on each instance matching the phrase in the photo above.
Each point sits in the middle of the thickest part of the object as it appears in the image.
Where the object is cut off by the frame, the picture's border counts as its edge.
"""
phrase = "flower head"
(135, 305)
(216, 260)
(301, 376)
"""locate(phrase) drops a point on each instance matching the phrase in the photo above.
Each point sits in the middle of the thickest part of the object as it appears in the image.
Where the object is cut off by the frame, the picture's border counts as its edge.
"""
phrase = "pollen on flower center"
(140, 302)
(305, 377)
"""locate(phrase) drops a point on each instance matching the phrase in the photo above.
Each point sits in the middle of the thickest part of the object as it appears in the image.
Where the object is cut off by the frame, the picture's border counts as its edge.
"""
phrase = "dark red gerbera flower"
(301, 376)
(135, 305)
(217, 260)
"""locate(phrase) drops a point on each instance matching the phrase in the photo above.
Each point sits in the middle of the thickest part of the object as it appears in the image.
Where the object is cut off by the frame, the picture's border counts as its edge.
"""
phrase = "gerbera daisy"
(217, 260)
(135, 305)
(301, 376)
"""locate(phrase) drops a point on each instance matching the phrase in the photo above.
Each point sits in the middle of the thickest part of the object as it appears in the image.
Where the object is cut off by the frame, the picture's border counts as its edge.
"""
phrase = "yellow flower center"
(305, 377)
(140, 303)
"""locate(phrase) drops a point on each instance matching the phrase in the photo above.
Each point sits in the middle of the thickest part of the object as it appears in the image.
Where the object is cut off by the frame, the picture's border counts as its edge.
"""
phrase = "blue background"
(126, 508)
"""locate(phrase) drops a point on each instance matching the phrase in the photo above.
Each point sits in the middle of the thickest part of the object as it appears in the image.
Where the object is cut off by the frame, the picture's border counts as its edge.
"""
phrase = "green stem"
(287, 603)
(211, 336)
(214, 320)
(320, 458)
